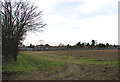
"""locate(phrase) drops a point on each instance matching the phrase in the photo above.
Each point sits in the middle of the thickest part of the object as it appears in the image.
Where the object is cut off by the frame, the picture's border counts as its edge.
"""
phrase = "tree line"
(93, 45)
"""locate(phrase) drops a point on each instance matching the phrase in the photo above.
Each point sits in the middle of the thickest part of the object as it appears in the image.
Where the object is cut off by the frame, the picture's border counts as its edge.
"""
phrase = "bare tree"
(18, 17)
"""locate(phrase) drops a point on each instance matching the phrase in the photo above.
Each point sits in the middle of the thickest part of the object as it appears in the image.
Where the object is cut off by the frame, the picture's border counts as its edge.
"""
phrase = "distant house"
(26, 49)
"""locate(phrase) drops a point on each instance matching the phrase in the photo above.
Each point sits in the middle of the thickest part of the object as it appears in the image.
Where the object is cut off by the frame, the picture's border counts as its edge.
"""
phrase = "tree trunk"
(10, 51)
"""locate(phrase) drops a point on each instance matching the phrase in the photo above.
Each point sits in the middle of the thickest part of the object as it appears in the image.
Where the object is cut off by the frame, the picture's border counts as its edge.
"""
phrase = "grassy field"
(66, 65)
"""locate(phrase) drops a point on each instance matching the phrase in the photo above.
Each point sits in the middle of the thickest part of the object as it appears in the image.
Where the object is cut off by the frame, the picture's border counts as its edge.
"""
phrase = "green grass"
(32, 61)
(27, 62)
(22, 64)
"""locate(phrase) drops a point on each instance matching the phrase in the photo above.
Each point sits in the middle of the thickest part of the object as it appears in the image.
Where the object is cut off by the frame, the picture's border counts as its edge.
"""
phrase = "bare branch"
(18, 18)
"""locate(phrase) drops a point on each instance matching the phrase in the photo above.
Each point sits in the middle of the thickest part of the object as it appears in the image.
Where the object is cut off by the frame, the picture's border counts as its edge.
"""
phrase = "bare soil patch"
(99, 54)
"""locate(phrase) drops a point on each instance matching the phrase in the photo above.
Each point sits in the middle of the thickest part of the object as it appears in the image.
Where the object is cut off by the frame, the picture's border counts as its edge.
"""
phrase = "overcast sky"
(71, 21)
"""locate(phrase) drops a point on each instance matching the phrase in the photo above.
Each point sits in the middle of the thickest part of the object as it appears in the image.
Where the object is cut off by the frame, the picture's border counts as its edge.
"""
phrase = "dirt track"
(78, 71)
(75, 72)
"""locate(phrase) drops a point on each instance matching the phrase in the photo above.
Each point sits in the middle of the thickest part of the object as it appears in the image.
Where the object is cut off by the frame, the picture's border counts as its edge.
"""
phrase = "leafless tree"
(18, 17)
